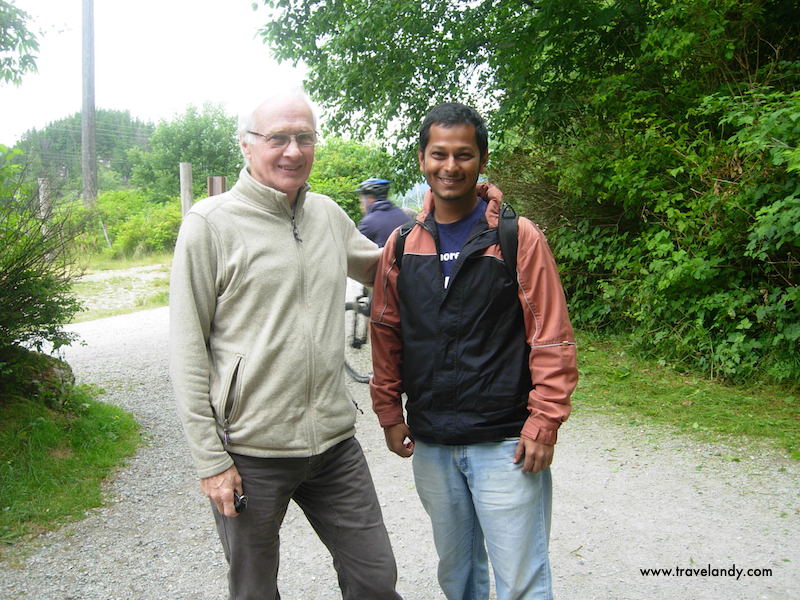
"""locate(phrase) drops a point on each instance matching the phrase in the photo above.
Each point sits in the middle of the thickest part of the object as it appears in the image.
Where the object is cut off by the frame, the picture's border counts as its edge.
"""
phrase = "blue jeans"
(475, 492)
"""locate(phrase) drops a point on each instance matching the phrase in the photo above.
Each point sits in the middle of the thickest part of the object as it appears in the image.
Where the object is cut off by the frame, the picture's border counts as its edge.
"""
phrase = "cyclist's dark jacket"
(463, 355)
(381, 220)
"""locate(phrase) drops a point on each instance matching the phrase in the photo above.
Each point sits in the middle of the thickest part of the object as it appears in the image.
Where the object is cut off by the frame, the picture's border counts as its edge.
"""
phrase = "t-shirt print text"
(447, 258)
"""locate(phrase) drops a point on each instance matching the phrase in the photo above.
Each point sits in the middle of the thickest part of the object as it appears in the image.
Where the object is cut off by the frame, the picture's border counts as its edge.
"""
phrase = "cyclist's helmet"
(374, 187)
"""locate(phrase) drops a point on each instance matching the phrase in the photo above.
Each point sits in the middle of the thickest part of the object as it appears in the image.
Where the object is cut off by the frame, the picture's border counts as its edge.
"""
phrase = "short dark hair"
(453, 113)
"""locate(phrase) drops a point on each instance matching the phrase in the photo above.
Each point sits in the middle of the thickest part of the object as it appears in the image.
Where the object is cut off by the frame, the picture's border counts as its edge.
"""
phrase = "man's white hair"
(248, 121)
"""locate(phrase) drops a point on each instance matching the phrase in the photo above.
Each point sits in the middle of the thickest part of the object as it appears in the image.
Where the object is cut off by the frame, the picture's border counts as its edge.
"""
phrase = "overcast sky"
(152, 57)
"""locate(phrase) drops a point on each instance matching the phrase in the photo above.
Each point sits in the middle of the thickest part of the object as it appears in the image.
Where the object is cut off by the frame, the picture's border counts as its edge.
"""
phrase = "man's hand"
(537, 456)
(219, 488)
(398, 439)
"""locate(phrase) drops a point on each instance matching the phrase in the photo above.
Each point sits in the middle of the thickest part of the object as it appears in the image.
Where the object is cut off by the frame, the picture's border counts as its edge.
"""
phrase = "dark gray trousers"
(335, 491)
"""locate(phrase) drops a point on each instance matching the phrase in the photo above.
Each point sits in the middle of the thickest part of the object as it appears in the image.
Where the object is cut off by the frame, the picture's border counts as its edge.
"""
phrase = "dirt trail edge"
(626, 499)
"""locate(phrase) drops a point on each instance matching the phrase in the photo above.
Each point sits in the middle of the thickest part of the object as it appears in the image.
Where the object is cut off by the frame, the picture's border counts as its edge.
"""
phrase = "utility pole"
(88, 117)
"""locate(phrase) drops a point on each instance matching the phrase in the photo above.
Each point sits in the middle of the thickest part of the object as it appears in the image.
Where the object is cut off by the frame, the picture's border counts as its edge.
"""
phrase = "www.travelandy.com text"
(707, 571)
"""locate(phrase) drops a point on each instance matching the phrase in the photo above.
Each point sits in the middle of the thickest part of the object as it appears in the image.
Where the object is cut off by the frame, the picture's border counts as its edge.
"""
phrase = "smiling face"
(283, 169)
(451, 163)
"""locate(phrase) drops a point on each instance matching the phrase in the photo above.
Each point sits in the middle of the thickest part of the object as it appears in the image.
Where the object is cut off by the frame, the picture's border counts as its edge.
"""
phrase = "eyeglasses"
(282, 140)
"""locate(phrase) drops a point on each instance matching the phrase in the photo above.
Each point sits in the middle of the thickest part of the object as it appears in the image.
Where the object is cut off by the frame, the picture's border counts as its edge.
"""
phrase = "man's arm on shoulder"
(386, 385)
(552, 362)
(362, 252)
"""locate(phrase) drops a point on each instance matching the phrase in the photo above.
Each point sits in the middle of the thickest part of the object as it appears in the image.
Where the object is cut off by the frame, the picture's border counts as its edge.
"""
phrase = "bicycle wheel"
(357, 351)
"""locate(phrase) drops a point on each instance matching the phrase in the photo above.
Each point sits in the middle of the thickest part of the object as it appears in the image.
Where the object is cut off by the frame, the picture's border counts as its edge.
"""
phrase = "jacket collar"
(379, 205)
(271, 200)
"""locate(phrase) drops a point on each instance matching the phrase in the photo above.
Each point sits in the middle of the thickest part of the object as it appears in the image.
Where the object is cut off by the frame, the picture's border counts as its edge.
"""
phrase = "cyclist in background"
(381, 217)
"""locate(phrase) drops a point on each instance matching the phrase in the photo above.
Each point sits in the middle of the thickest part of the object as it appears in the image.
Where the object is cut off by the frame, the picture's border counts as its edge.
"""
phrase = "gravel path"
(122, 288)
(625, 499)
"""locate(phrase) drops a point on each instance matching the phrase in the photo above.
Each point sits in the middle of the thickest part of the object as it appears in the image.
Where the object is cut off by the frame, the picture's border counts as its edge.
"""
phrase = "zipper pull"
(226, 436)
(295, 232)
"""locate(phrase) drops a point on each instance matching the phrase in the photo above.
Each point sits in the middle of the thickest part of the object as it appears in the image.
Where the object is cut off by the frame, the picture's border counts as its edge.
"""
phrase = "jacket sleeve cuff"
(389, 413)
(535, 432)
(210, 470)
(391, 421)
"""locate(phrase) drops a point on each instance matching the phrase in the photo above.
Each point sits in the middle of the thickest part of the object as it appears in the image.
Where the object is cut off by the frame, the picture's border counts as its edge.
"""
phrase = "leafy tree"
(205, 138)
(18, 45)
(340, 165)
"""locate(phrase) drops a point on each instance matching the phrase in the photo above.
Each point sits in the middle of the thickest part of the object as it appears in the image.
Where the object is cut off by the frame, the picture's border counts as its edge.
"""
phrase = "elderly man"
(256, 311)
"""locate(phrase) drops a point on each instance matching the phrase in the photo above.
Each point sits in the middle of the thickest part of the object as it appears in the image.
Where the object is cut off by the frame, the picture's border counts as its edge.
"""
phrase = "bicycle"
(357, 352)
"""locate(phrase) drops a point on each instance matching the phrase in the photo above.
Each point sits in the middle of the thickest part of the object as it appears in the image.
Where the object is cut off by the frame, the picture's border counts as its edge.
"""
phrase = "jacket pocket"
(232, 394)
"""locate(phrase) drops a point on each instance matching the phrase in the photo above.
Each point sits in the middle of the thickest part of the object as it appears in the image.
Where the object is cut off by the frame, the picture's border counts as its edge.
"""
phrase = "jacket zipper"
(564, 343)
(459, 261)
(309, 354)
(295, 231)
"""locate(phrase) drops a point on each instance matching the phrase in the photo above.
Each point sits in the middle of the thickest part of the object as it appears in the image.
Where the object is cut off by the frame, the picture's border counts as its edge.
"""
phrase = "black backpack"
(507, 229)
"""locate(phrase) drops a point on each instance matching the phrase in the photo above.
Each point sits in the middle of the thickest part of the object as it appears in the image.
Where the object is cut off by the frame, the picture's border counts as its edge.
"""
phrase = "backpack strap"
(400, 241)
(507, 234)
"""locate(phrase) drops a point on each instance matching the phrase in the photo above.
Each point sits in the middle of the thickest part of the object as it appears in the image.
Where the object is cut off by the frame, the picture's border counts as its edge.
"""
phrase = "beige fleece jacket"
(257, 324)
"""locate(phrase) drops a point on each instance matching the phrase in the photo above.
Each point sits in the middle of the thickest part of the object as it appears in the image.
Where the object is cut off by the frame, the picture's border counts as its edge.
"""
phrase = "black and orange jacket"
(485, 359)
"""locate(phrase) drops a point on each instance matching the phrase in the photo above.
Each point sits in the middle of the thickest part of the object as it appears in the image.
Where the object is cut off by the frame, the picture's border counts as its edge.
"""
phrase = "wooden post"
(217, 185)
(186, 187)
(45, 205)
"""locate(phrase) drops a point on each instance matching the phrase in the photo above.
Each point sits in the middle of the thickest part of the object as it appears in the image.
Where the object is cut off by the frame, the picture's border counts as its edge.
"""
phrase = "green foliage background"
(677, 188)
(340, 165)
(127, 223)
(205, 137)
(54, 151)
(656, 142)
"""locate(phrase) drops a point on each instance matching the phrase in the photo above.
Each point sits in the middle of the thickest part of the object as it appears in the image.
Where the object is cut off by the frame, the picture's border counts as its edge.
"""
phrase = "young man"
(487, 360)
(257, 359)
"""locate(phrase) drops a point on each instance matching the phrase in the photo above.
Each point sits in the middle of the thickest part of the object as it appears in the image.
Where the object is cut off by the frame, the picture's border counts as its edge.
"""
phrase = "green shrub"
(340, 165)
(128, 224)
(152, 230)
(701, 257)
(35, 267)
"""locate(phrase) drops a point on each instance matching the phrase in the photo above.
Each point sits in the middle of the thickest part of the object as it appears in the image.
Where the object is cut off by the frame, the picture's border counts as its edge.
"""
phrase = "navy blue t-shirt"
(453, 236)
